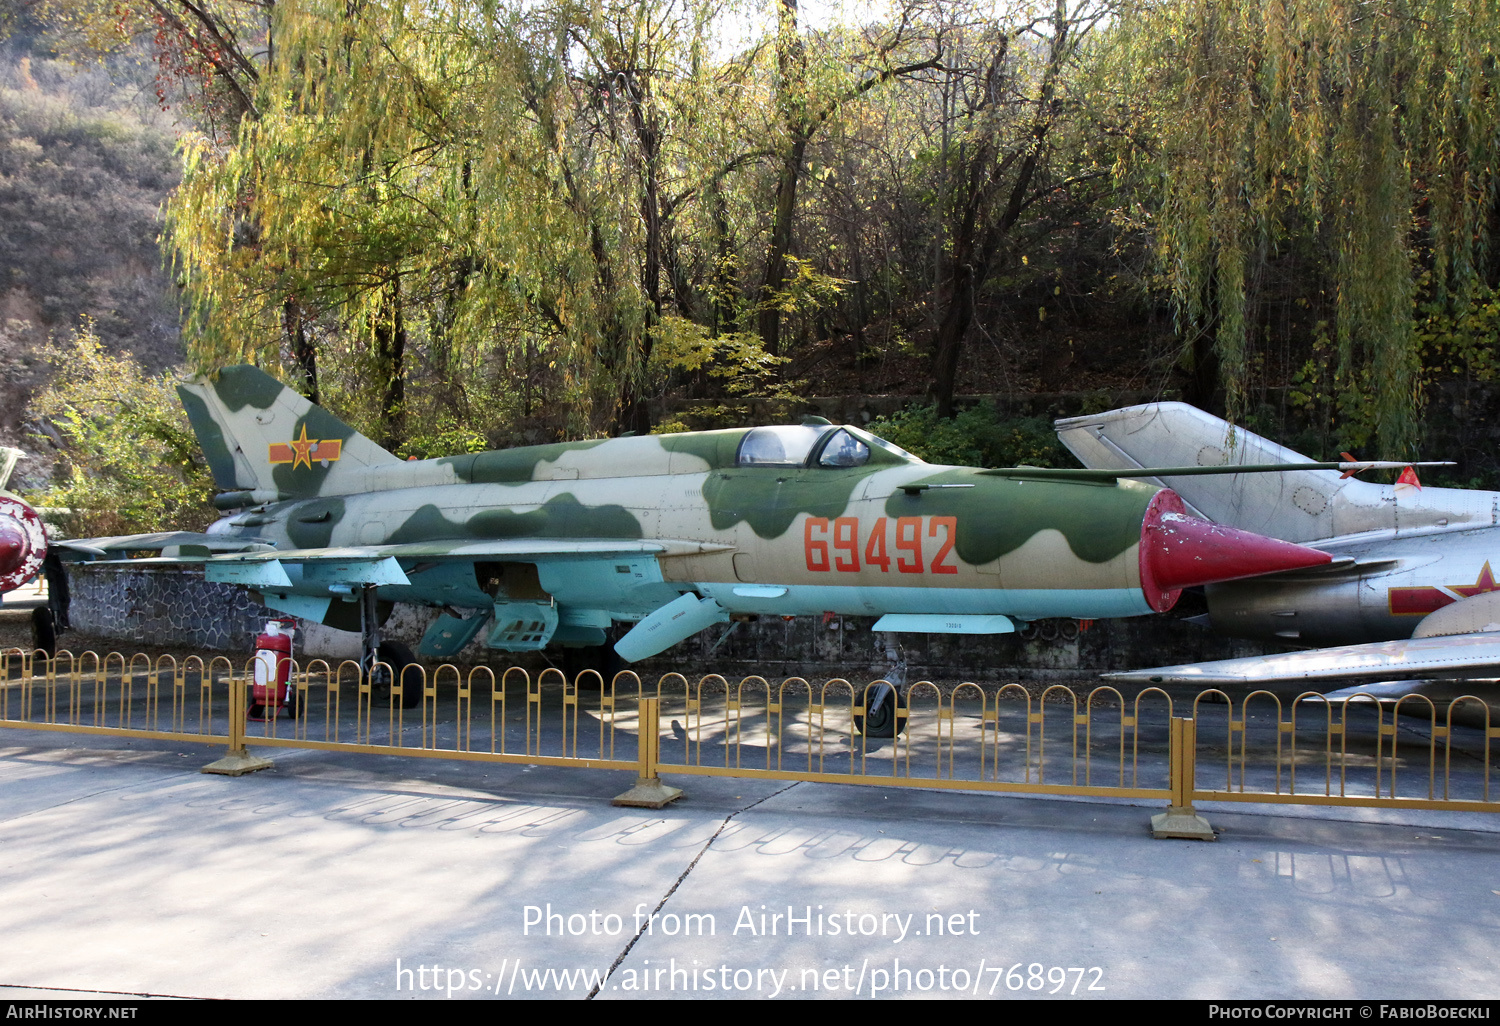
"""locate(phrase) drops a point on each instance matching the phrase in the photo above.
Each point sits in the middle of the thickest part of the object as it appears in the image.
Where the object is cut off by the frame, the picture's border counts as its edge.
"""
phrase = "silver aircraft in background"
(1411, 592)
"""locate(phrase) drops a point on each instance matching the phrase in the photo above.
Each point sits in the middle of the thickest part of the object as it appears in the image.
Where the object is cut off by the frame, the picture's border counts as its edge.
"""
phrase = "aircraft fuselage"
(693, 512)
(768, 540)
(1412, 575)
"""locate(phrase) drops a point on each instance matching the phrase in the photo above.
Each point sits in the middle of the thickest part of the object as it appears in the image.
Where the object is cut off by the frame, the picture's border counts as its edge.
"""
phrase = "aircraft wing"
(159, 542)
(610, 573)
(229, 552)
(1450, 656)
(577, 586)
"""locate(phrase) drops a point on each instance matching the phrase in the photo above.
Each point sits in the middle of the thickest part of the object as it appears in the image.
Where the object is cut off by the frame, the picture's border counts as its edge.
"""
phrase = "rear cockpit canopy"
(779, 445)
(818, 445)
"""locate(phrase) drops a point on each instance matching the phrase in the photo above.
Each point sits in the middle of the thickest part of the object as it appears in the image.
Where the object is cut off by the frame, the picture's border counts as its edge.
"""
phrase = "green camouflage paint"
(562, 516)
(510, 466)
(311, 524)
(716, 448)
(999, 515)
(211, 437)
(769, 499)
(238, 387)
(426, 524)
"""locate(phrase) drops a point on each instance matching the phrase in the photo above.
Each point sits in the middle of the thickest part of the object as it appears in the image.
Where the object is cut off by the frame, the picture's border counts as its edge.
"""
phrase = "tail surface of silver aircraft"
(1410, 592)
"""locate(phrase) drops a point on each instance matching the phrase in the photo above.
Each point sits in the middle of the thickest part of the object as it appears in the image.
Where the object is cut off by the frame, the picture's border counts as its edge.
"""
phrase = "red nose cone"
(1180, 551)
(23, 542)
(13, 546)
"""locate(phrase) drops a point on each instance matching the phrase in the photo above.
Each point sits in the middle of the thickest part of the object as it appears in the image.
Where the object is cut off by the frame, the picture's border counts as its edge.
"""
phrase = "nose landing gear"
(885, 711)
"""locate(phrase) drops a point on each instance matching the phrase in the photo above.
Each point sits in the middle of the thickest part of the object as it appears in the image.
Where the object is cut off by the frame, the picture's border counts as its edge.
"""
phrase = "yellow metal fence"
(1261, 747)
(1358, 750)
(115, 694)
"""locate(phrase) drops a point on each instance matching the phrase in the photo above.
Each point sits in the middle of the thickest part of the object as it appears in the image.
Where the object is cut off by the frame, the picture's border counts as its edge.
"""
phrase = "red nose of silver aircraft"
(1181, 551)
(23, 542)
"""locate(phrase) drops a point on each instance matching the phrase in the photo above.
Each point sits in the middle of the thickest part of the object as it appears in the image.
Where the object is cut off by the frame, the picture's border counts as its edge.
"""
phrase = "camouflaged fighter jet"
(551, 544)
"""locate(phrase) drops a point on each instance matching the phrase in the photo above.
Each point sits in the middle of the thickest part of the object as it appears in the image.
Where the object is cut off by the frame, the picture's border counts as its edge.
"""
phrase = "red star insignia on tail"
(1426, 599)
(301, 451)
(1485, 583)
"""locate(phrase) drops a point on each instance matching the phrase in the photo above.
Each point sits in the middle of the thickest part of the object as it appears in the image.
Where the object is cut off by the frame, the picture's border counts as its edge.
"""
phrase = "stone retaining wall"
(162, 606)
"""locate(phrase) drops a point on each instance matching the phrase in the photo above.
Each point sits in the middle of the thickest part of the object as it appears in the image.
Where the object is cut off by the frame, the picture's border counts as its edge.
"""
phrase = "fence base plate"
(1182, 822)
(648, 793)
(237, 763)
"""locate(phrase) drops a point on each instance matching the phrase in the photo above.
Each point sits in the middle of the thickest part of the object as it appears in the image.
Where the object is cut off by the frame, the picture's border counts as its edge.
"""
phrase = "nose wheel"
(885, 711)
(399, 657)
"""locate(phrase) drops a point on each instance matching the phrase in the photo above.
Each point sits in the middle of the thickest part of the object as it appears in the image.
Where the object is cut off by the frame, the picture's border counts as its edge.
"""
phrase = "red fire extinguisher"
(271, 691)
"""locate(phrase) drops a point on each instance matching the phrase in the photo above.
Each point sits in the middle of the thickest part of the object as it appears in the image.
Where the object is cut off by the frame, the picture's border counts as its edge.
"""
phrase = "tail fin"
(265, 442)
(1296, 506)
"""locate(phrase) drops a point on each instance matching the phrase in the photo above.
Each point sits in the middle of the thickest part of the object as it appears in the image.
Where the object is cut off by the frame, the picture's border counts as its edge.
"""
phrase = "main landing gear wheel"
(885, 712)
(399, 657)
(44, 631)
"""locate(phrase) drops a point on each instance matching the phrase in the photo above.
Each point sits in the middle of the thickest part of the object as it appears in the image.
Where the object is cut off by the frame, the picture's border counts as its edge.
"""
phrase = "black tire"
(255, 712)
(44, 631)
(885, 709)
(399, 657)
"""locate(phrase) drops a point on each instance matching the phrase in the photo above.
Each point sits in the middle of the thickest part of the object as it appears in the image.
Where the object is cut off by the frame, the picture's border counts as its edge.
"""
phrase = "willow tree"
(470, 188)
(341, 207)
(1364, 129)
(645, 128)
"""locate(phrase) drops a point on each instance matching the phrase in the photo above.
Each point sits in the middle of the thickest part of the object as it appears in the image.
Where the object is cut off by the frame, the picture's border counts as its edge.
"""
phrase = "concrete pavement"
(124, 870)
